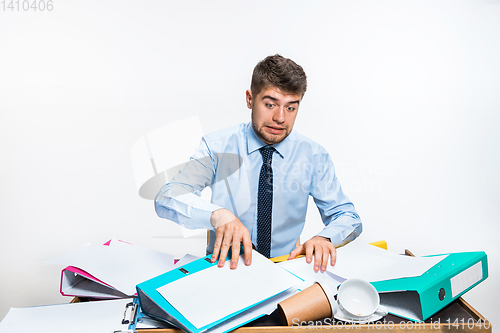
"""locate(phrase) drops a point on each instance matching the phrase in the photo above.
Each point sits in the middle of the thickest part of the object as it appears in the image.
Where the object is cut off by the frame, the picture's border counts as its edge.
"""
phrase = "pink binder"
(77, 282)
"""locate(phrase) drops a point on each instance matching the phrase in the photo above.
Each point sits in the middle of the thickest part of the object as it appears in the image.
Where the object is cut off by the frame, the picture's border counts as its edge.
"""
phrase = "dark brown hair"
(280, 72)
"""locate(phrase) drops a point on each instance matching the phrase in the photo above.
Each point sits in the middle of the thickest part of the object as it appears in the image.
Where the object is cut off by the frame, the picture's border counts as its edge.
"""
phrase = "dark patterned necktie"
(265, 203)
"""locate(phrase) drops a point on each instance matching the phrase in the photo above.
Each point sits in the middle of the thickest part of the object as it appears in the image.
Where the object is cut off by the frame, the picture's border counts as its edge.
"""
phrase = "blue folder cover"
(155, 305)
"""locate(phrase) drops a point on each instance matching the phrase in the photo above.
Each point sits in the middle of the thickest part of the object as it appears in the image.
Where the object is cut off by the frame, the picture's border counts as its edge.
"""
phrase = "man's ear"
(249, 98)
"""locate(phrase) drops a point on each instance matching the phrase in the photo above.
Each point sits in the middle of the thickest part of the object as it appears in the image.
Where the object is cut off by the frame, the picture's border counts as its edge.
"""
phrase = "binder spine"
(450, 279)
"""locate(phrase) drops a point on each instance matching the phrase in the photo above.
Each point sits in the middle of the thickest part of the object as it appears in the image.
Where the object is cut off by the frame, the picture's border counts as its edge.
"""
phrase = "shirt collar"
(254, 142)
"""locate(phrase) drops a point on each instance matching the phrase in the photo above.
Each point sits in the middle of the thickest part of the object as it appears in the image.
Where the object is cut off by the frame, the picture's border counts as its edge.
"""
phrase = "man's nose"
(279, 115)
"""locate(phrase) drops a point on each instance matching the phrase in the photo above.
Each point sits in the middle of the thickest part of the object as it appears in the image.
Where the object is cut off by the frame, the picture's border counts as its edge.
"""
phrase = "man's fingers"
(309, 252)
(247, 245)
(224, 249)
(226, 243)
(296, 252)
(230, 234)
(235, 253)
(318, 254)
(334, 255)
(218, 242)
(324, 261)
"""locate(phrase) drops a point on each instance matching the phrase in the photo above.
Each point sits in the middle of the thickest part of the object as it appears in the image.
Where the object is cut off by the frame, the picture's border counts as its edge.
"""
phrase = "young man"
(262, 174)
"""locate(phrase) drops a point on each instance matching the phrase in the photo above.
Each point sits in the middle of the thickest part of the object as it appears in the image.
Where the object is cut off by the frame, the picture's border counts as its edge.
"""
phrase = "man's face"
(273, 113)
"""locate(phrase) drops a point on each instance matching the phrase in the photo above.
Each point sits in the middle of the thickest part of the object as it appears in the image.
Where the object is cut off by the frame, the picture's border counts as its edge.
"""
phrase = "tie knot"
(267, 153)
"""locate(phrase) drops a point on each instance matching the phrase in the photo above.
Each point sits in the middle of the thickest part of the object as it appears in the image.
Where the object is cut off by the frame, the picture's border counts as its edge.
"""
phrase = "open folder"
(200, 295)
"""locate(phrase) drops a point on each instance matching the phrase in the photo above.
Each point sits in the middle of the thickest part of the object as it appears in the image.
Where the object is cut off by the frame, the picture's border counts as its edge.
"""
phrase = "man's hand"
(230, 231)
(322, 249)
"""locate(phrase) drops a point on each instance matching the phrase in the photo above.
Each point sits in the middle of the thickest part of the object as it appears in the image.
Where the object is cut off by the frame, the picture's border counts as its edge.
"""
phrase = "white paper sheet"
(214, 293)
(255, 312)
(306, 271)
(102, 316)
(186, 260)
(371, 263)
(121, 265)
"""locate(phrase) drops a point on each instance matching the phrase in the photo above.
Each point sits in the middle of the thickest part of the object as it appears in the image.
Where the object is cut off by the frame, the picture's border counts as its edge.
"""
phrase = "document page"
(186, 260)
(102, 316)
(216, 292)
(301, 268)
(371, 263)
(264, 308)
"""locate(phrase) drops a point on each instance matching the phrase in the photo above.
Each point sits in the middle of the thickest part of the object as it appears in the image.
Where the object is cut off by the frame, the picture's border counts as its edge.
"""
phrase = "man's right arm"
(179, 201)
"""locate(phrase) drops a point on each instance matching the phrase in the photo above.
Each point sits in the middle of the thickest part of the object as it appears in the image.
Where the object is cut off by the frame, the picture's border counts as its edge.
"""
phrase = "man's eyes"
(289, 108)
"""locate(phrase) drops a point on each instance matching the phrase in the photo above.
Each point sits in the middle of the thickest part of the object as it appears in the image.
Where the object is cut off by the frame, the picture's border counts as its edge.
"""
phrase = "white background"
(403, 94)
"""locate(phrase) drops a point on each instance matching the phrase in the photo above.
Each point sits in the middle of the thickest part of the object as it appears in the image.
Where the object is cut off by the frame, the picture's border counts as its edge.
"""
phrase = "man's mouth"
(275, 130)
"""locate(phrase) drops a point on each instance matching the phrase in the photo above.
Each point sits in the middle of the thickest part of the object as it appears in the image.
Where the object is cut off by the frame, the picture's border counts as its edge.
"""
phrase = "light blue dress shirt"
(229, 162)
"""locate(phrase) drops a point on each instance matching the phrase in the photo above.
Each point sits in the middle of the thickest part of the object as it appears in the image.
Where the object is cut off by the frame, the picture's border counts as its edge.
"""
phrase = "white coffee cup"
(359, 300)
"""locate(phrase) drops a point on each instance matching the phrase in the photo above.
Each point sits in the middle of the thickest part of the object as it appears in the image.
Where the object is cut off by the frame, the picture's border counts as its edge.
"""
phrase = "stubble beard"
(268, 138)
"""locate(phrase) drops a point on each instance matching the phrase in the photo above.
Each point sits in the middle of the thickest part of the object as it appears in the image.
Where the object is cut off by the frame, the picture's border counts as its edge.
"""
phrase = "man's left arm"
(342, 223)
